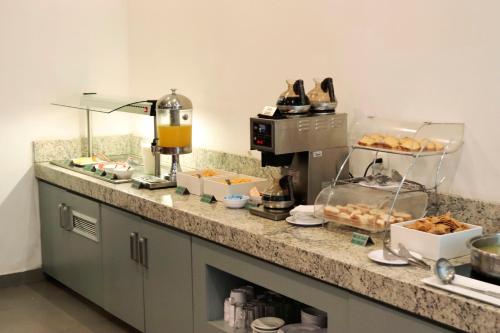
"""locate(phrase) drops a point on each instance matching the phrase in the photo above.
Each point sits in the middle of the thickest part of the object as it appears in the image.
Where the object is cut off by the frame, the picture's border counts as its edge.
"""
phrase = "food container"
(193, 180)
(483, 258)
(433, 246)
(371, 206)
(219, 187)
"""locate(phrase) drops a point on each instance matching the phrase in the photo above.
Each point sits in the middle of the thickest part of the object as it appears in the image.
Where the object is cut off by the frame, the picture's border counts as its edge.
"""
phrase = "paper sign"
(268, 111)
(361, 239)
(207, 198)
(181, 190)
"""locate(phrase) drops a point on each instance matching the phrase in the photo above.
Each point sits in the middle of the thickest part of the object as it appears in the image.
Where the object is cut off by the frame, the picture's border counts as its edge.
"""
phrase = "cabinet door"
(55, 258)
(167, 280)
(123, 287)
(378, 318)
(71, 249)
(84, 246)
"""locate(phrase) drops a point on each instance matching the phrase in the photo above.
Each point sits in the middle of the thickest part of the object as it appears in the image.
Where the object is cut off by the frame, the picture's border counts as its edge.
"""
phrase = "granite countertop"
(322, 253)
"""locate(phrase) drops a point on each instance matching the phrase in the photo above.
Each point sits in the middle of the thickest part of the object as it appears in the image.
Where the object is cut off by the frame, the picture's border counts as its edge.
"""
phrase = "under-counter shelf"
(224, 327)
(217, 270)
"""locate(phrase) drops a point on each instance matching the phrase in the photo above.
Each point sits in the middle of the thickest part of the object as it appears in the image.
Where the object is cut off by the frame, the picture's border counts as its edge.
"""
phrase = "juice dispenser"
(174, 114)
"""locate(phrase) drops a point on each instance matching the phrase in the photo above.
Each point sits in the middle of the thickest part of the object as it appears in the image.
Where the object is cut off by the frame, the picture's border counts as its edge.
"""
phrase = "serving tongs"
(403, 253)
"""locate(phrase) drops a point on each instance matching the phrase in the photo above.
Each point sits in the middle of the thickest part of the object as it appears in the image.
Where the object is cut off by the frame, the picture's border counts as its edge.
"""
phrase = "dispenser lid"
(174, 101)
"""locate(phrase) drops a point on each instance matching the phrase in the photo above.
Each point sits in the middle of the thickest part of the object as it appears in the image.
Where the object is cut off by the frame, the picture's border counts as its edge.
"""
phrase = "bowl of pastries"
(438, 225)
(364, 216)
(441, 236)
(402, 144)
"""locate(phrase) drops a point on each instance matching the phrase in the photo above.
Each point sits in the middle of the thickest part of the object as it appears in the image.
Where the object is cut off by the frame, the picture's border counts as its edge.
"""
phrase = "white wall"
(420, 60)
(50, 50)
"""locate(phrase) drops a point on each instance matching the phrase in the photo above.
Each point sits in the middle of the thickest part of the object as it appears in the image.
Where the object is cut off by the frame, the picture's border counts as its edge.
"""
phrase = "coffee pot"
(279, 195)
(294, 99)
(322, 96)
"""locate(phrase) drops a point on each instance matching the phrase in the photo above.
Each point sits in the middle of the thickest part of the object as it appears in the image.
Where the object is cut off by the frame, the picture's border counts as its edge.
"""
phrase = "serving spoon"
(445, 271)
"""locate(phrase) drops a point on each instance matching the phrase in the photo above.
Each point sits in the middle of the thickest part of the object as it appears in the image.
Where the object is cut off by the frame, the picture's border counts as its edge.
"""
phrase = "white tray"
(432, 246)
(194, 184)
(219, 188)
(435, 282)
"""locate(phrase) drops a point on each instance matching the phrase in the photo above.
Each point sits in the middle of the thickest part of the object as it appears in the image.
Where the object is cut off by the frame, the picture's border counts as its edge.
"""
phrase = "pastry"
(364, 215)
(391, 142)
(409, 144)
(403, 144)
(438, 225)
(439, 146)
(367, 141)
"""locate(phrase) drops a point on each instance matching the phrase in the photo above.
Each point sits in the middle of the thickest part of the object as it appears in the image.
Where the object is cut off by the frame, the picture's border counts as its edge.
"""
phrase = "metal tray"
(90, 171)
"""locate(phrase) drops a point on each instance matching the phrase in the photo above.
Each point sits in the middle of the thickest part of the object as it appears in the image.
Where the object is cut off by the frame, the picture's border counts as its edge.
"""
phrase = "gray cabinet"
(380, 318)
(147, 273)
(122, 272)
(71, 248)
(167, 280)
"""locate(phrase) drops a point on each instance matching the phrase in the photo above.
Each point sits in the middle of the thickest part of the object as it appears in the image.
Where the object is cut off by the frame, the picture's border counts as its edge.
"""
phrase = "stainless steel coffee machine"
(310, 149)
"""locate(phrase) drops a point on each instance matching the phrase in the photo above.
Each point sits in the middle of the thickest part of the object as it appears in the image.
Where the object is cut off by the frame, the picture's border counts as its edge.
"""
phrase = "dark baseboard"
(16, 279)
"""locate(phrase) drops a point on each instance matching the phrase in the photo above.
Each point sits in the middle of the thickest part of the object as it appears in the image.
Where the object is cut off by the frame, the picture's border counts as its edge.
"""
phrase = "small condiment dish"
(235, 201)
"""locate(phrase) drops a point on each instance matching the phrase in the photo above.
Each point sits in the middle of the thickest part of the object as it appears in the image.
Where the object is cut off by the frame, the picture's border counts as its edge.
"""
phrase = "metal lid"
(174, 101)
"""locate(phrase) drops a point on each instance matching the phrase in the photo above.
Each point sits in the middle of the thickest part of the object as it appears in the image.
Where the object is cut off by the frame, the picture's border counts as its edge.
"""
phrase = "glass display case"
(396, 170)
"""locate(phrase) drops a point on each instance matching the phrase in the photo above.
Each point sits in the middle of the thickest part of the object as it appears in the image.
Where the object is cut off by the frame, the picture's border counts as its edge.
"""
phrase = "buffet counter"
(325, 254)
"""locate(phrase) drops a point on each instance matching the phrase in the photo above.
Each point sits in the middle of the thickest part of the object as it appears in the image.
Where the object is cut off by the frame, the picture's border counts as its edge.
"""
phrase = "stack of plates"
(313, 316)
(267, 325)
(301, 328)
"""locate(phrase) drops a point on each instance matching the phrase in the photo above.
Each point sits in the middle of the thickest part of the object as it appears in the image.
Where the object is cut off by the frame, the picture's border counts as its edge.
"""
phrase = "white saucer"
(378, 256)
(304, 221)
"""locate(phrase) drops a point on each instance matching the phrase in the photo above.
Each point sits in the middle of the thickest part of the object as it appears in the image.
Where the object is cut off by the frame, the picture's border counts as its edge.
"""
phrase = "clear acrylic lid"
(106, 103)
(368, 208)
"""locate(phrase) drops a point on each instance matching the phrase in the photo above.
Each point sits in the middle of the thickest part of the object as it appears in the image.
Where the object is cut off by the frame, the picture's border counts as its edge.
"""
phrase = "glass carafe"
(279, 194)
(322, 96)
(174, 123)
(294, 99)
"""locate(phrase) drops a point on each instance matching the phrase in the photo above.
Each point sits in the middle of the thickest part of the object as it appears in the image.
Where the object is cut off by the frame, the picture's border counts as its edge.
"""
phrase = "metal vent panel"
(85, 226)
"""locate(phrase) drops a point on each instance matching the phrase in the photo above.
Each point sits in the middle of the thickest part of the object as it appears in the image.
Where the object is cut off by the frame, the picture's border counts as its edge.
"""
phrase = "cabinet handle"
(143, 251)
(134, 246)
(61, 217)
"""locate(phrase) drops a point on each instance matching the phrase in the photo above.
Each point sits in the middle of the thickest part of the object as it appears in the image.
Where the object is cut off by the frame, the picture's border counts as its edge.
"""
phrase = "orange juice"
(174, 136)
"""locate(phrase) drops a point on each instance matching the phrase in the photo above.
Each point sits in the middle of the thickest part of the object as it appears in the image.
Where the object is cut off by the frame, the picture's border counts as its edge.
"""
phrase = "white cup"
(238, 296)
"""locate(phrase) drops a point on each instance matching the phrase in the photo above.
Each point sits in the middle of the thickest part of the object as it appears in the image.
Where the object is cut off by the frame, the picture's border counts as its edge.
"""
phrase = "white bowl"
(313, 316)
(267, 324)
(235, 201)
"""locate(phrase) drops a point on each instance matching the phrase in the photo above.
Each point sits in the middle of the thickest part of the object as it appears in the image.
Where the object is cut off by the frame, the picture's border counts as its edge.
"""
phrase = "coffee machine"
(308, 149)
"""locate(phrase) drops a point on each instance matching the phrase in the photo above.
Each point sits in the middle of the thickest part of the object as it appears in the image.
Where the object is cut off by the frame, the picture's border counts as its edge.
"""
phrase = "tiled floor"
(47, 307)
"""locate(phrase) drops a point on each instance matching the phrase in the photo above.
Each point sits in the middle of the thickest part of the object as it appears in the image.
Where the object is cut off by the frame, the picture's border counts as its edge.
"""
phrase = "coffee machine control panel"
(262, 134)
(293, 135)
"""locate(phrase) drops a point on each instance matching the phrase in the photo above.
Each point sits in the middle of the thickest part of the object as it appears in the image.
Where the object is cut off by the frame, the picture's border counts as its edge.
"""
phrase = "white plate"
(473, 283)
(378, 256)
(299, 328)
(304, 221)
(268, 323)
